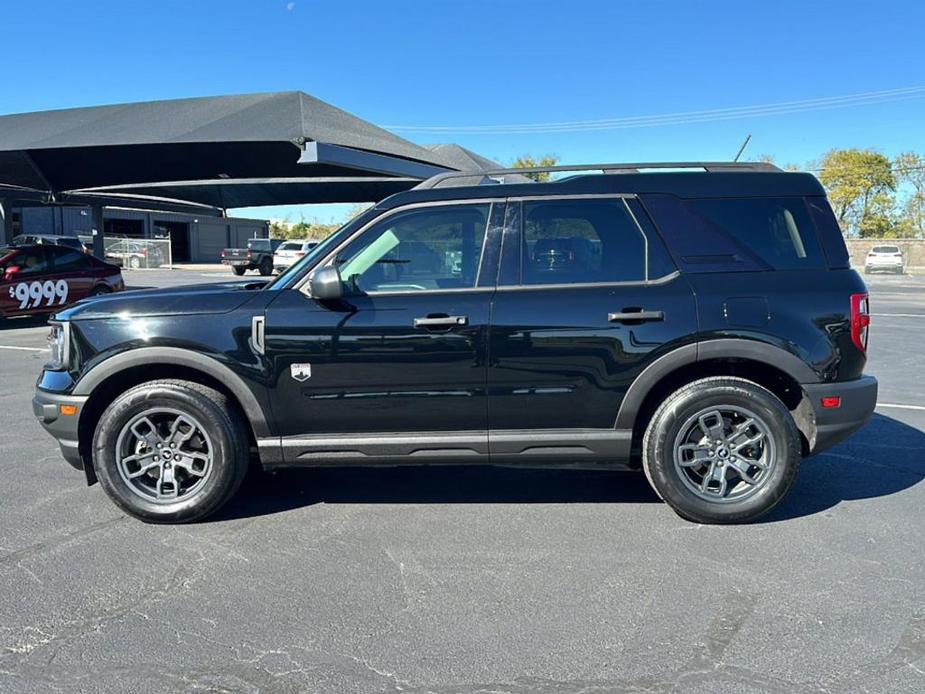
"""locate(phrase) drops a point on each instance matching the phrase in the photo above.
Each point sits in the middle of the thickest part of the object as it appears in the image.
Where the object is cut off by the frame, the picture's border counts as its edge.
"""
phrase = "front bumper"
(858, 400)
(64, 428)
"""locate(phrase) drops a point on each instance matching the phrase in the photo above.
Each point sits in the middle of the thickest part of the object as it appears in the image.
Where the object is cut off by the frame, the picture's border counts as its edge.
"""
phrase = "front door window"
(433, 248)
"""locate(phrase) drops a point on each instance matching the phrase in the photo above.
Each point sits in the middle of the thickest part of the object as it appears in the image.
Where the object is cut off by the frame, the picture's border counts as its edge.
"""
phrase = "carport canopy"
(210, 152)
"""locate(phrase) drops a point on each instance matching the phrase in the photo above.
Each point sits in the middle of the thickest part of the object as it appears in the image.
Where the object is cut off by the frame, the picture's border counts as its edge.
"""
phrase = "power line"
(679, 118)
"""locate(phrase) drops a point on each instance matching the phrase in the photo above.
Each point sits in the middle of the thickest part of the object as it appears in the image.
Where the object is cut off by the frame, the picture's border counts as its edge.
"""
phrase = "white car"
(291, 252)
(884, 259)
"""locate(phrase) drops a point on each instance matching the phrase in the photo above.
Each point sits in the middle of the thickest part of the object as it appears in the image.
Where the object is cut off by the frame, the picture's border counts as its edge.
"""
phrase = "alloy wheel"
(164, 455)
(724, 453)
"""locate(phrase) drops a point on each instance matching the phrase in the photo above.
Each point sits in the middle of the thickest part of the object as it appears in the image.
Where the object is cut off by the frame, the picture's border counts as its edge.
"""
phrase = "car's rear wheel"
(721, 450)
(134, 262)
(266, 267)
(238, 270)
(170, 451)
(100, 290)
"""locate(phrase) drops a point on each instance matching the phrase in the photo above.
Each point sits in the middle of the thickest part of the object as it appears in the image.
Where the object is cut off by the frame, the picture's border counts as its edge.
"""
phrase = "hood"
(186, 300)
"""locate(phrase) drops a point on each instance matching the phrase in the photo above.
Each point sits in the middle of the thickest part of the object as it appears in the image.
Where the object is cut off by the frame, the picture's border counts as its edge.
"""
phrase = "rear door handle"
(634, 316)
(441, 321)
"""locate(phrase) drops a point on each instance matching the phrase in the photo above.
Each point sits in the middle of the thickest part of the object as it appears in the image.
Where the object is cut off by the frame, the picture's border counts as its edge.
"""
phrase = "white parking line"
(901, 407)
(899, 315)
(25, 349)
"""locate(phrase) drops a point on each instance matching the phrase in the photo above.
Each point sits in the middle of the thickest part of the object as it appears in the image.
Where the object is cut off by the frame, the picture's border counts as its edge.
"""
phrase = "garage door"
(212, 238)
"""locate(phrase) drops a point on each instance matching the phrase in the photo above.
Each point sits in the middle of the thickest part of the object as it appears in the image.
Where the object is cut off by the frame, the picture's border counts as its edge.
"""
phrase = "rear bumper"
(858, 400)
(46, 407)
(883, 265)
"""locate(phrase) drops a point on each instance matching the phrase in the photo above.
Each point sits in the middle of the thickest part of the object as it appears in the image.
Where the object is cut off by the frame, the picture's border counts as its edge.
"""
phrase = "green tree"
(301, 230)
(527, 161)
(861, 187)
(909, 168)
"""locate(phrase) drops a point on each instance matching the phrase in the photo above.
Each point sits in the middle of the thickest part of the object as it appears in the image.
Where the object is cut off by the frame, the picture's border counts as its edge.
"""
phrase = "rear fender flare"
(731, 348)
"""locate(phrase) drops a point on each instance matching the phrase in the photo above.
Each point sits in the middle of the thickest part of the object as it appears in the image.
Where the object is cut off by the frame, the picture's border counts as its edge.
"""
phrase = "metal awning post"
(97, 226)
(6, 221)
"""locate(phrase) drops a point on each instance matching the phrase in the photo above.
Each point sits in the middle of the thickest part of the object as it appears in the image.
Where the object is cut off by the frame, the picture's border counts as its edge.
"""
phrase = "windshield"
(886, 249)
(286, 279)
(259, 244)
(291, 246)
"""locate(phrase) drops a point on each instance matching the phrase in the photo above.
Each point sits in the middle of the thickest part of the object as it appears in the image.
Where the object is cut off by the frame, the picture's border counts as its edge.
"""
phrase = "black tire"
(101, 290)
(219, 419)
(674, 416)
(266, 267)
(238, 270)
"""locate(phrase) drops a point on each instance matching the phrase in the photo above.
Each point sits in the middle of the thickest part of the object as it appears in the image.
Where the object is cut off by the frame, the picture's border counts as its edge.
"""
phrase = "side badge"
(300, 372)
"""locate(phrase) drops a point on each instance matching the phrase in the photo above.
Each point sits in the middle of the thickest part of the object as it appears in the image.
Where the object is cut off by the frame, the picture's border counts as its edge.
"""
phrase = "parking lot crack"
(60, 541)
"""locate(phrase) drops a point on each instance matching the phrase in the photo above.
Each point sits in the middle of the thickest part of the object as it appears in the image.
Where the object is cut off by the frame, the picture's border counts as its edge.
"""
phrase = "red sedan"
(45, 278)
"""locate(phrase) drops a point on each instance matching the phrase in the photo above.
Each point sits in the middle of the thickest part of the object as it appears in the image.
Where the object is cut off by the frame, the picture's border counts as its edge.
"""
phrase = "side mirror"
(326, 284)
(10, 273)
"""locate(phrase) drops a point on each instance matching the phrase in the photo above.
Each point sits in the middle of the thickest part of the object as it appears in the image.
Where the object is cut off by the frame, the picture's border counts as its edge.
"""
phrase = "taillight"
(860, 320)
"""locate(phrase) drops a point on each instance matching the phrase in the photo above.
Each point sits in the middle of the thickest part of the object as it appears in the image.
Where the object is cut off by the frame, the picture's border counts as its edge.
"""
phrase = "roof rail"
(709, 166)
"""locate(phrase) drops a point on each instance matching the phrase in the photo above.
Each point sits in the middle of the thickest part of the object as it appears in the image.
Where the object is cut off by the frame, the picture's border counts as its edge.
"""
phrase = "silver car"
(291, 252)
(884, 259)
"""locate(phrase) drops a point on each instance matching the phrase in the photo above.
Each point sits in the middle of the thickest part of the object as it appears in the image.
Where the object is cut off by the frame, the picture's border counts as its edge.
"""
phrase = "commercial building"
(197, 239)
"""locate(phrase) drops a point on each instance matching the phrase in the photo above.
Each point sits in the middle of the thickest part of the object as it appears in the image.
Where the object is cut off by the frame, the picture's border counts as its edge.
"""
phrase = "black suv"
(703, 325)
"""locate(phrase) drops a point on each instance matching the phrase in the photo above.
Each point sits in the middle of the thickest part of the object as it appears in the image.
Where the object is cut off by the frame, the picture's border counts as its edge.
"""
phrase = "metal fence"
(136, 254)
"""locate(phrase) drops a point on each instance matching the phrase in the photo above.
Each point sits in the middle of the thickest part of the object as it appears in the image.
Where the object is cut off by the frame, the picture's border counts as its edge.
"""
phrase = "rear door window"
(779, 231)
(70, 261)
(588, 241)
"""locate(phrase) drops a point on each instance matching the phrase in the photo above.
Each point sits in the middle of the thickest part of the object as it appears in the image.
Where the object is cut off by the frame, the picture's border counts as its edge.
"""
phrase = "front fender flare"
(146, 356)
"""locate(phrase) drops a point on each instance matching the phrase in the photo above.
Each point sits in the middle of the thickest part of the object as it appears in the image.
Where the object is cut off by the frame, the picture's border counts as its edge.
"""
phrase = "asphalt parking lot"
(472, 580)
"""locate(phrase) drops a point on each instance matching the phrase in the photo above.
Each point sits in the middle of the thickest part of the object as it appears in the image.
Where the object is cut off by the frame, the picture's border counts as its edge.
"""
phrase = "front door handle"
(639, 316)
(441, 321)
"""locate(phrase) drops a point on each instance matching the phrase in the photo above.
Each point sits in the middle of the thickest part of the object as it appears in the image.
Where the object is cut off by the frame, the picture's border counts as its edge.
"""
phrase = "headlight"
(59, 343)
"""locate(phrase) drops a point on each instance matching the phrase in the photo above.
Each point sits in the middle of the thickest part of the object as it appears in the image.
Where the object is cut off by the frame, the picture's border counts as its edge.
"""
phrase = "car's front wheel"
(238, 270)
(721, 450)
(170, 451)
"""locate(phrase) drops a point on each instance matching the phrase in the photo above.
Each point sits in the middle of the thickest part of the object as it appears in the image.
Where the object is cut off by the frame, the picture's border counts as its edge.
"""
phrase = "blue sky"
(476, 62)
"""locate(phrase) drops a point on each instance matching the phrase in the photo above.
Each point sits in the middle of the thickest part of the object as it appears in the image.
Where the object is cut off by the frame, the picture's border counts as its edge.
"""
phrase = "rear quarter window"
(778, 231)
(738, 234)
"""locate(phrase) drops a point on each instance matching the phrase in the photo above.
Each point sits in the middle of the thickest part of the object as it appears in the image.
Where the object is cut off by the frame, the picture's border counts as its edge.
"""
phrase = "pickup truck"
(257, 256)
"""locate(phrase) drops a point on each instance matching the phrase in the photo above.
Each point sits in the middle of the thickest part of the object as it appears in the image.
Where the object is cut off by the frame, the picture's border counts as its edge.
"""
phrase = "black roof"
(691, 184)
